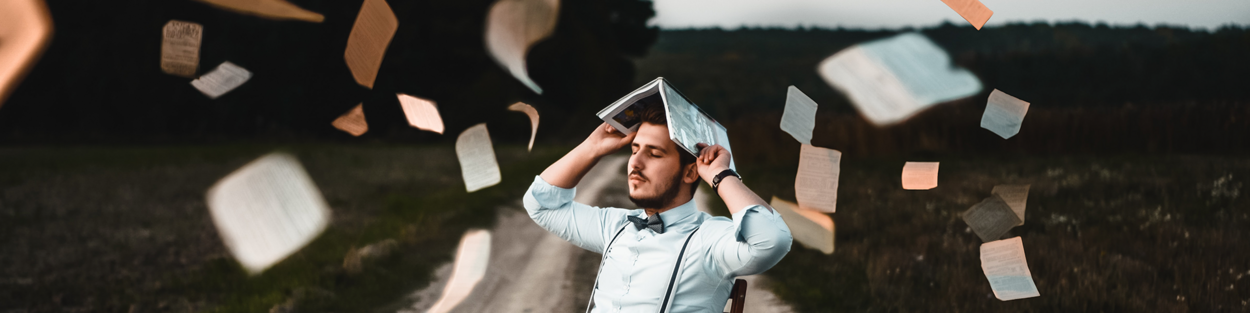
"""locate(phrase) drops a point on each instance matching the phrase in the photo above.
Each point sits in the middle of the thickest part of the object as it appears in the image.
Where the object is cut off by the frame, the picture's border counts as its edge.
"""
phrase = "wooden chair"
(738, 296)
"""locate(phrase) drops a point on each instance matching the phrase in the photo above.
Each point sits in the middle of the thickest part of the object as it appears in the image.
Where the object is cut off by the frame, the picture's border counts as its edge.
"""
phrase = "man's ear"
(690, 173)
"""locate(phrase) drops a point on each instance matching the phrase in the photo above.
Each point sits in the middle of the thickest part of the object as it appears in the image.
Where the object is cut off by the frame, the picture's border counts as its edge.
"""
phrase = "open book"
(688, 125)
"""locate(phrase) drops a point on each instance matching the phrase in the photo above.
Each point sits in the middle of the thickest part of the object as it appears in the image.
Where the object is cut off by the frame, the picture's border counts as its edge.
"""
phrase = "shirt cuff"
(543, 195)
(742, 215)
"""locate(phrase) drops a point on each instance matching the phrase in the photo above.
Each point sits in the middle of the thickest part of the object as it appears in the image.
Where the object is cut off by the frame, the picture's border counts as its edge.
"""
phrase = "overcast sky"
(874, 14)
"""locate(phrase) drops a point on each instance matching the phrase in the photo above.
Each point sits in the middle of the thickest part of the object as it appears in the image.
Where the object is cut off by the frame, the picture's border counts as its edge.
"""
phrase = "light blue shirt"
(640, 263)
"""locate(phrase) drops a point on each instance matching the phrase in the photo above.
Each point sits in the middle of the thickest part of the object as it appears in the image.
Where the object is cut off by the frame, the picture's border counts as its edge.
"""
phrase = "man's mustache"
(638, 173)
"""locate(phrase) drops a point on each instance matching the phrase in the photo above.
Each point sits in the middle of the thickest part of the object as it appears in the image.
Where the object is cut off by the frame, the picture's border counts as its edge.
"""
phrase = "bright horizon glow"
(892, 14)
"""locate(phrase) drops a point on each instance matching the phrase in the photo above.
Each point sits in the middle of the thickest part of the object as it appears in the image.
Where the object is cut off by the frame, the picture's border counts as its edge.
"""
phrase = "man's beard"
(670, 193)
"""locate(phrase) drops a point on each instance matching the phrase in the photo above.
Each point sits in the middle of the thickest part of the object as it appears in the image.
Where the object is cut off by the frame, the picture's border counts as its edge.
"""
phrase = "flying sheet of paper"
(270, 9)
(816, 185)
(991, 218)
(267, 210)
(920, 175)
(366, 45)
(422, 114)
(809, 227)
(1007, 270)
(470, 266)
(799, 117)
(353, 122)
(477, 158)
(1016, 196)
(971, 10)
(1004, 114)
(180, 48)
(25, 27)
(223, 79)
(512, 26)
(891, 79)
(533, 114)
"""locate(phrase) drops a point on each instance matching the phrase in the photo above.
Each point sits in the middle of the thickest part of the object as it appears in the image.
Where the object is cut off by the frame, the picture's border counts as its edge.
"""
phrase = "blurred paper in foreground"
(271, 9)
(366, 44)
(1007, 270)
(512, 26)
(810, 228)
(799, 117)
(816, 184)
(477, 158)
(991, 218)
(470, 266)
(223, 79)
(267, 210)
(422, 114)
(889, 80)
(180, 48)
(971, 10)
(920, 175)
(352, 122)
(1015, 196)
(1004, 114)
(25, 27)
(533, 114)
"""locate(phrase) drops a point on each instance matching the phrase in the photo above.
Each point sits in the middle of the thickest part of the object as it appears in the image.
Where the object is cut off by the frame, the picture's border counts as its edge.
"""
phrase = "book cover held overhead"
(688, 125)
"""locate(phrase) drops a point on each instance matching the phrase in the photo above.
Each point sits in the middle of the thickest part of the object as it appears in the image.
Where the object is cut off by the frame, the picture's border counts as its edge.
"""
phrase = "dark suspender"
(601, 261)
(672, 281)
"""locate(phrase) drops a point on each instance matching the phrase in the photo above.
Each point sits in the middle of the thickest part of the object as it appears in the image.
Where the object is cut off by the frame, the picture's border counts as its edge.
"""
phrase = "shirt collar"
(680, 214)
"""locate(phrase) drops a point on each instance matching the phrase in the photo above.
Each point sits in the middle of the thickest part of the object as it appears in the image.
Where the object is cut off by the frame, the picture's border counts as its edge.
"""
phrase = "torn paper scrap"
(267, 210)
(366, 44)
(1004, 114)
(1007, 270)
(180, 48)
(991, 218)
(799, 117)
(512, 26)
(809, 227)
(971, 10)
(533, 114)
(477, 158)
(25, 27)
(1015, 196)
(891, 79)
(353, 122)
(470, 266)
(816, 185)
(223, 79)
(270, 9)
(920, 175)
(422, 114)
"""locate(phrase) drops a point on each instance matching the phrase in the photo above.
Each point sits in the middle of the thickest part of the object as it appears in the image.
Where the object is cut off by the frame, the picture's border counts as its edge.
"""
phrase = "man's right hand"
(606, 140)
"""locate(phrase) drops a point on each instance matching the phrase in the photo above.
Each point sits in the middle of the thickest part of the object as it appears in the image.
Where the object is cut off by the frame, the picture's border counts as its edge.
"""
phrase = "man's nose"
(633, 165)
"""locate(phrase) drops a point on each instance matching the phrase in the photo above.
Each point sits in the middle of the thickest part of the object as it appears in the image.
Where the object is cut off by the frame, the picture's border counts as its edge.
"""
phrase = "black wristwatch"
(721, 176)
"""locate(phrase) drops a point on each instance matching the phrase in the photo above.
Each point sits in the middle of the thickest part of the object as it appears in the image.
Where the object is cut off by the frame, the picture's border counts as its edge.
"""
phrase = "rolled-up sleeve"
(553, 209)
(759, 240)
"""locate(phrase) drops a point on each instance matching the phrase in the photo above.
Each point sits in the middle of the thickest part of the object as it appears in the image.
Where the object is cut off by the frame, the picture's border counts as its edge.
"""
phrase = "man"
(640, 271)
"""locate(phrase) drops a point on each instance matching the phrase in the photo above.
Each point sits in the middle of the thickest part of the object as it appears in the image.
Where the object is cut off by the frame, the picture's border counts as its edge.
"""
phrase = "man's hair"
(652, 112)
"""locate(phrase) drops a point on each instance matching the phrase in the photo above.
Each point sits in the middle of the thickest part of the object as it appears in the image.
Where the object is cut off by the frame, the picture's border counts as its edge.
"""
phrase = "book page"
(512, 26)
(622, 115)
(920, 175)
(875, 92)
(477, 158)
(816, 185)
(223, 79)
(991, 218)
(352, 122)
(421, 113)
(923, 67)
(267, 210)
(1004, 114)
(1007, 270)
(367, 42)
(472, 258)
(533, 114)
(25, 30)
(1016, 196)
(180, 48)
(972, 11)
(688, 126)
(271, 9)
(811, 228)
(799, 117)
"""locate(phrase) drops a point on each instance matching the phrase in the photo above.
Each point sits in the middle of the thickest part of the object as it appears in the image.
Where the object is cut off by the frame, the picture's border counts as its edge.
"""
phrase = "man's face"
(654, 167)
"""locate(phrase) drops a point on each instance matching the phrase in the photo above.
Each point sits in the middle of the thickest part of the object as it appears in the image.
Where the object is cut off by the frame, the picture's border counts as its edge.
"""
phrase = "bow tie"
(654, 222)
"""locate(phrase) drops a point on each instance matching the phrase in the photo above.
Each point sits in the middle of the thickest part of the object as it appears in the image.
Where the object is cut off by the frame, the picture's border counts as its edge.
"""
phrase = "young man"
(640, 271)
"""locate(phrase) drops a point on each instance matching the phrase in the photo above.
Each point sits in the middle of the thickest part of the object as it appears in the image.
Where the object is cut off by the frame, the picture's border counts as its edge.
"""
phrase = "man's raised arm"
(568, 171)
(760, 238)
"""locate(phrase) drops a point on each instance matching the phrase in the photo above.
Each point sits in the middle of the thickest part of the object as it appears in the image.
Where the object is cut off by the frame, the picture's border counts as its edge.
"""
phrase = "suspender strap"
(605, 258)
(672, 282)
